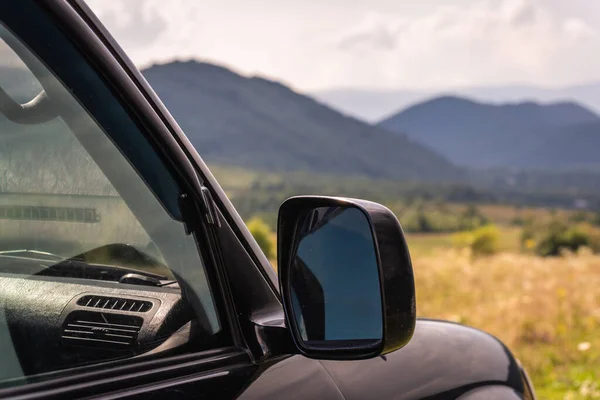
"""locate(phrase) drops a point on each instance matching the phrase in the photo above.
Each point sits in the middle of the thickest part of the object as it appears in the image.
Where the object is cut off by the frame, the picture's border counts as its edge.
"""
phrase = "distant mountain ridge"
(373, 105)
(260, 124)
(521, 135)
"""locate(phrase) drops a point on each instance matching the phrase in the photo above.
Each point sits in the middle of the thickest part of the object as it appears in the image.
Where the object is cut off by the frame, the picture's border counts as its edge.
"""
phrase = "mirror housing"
(378, 255)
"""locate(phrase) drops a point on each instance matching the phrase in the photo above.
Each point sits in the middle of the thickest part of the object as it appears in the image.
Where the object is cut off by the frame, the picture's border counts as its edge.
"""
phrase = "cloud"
(374, 31)
(151, 30)
(385, 44)
(488, 42)
(136, 23)
(519, 12)
(578, 29)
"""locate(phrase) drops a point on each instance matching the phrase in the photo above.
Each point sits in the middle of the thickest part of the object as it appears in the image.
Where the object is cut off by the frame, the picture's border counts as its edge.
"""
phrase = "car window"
(95, 261)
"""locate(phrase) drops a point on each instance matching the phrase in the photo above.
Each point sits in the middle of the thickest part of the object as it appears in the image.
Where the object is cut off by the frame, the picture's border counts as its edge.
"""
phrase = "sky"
(376, 44)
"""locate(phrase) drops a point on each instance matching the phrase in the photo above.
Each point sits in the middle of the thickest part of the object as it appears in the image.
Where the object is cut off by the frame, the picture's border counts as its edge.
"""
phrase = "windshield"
(96, 263)
(54, 197)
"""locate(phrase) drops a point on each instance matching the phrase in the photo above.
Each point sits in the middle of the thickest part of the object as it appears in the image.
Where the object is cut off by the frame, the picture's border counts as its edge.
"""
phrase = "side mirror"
(346, 277)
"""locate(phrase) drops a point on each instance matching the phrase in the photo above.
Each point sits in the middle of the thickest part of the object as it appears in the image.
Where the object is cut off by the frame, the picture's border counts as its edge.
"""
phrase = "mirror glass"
(334, 279)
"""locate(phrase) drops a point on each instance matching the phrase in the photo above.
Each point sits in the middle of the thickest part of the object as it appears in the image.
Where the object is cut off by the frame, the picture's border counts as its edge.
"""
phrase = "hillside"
(256, 123)
(261, 126)
(373, 105)
(261, 192)
(575, 146)
(523, 135)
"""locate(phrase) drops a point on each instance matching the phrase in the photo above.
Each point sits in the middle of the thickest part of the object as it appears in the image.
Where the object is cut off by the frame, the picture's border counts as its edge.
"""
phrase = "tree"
(263, 236)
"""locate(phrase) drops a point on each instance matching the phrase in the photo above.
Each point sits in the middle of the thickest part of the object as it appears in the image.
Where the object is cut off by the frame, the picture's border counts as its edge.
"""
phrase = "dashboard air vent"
(103, 330)
(114, 303)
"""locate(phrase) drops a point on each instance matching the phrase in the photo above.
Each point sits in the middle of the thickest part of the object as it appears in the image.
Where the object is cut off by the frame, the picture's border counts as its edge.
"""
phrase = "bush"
(413, 220)
(423, 222)
(578, 217)
(596, 218)
(482, 241)
(485, 240)
(263, 236)
(556, 236)
(518, 221)
(472, 218)
(527, 237)
(439, 218)
(551, 239)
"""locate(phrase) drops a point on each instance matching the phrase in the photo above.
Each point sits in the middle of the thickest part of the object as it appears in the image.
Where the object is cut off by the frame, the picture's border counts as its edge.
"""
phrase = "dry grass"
(546, 310)
(430, 243)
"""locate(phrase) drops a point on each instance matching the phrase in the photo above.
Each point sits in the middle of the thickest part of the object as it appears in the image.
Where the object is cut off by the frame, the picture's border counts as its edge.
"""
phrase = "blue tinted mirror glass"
(334, 279)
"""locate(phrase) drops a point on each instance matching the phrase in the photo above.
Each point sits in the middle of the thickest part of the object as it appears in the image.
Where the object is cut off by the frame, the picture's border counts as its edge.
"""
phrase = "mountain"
(373, 105)
(572, 147)
(525, 135)
(256, 123)
(260, 125)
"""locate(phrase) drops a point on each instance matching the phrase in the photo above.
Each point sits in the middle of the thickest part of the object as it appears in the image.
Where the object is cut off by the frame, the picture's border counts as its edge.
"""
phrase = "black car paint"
(443, 360)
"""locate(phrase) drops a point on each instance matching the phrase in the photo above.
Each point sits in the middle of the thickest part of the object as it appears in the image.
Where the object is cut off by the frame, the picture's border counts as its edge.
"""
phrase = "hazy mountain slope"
(477, 134)
(373, 105)
(571, 147)
(256, 123)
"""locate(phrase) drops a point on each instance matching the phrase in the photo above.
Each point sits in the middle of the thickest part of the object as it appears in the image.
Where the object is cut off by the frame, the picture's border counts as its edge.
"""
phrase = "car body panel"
(442, 360)
(293, 378)
(494, 392)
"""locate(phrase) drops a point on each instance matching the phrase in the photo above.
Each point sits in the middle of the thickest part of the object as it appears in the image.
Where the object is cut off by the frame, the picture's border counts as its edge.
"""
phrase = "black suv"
(125, 272)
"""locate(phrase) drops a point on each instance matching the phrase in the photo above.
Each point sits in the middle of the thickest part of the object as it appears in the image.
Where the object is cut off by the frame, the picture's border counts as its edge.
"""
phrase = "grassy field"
(547, 310)
(426, 244)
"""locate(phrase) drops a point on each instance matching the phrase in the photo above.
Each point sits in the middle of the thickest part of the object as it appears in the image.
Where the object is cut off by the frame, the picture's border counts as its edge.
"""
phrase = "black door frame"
(75, 19)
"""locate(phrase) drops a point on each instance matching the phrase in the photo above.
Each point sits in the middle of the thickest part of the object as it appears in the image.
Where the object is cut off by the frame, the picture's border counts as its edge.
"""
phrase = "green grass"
(574, 382)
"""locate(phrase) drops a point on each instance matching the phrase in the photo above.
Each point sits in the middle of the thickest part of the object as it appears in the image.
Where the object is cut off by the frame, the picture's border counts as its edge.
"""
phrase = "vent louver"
(104, 330)
(115, 303)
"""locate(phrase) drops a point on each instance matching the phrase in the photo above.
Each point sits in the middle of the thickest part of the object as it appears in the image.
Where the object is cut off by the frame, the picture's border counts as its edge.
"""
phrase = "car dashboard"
(58, 322)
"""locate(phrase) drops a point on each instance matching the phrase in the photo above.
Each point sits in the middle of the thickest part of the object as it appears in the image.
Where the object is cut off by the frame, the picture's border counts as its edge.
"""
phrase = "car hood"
(442, 360)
